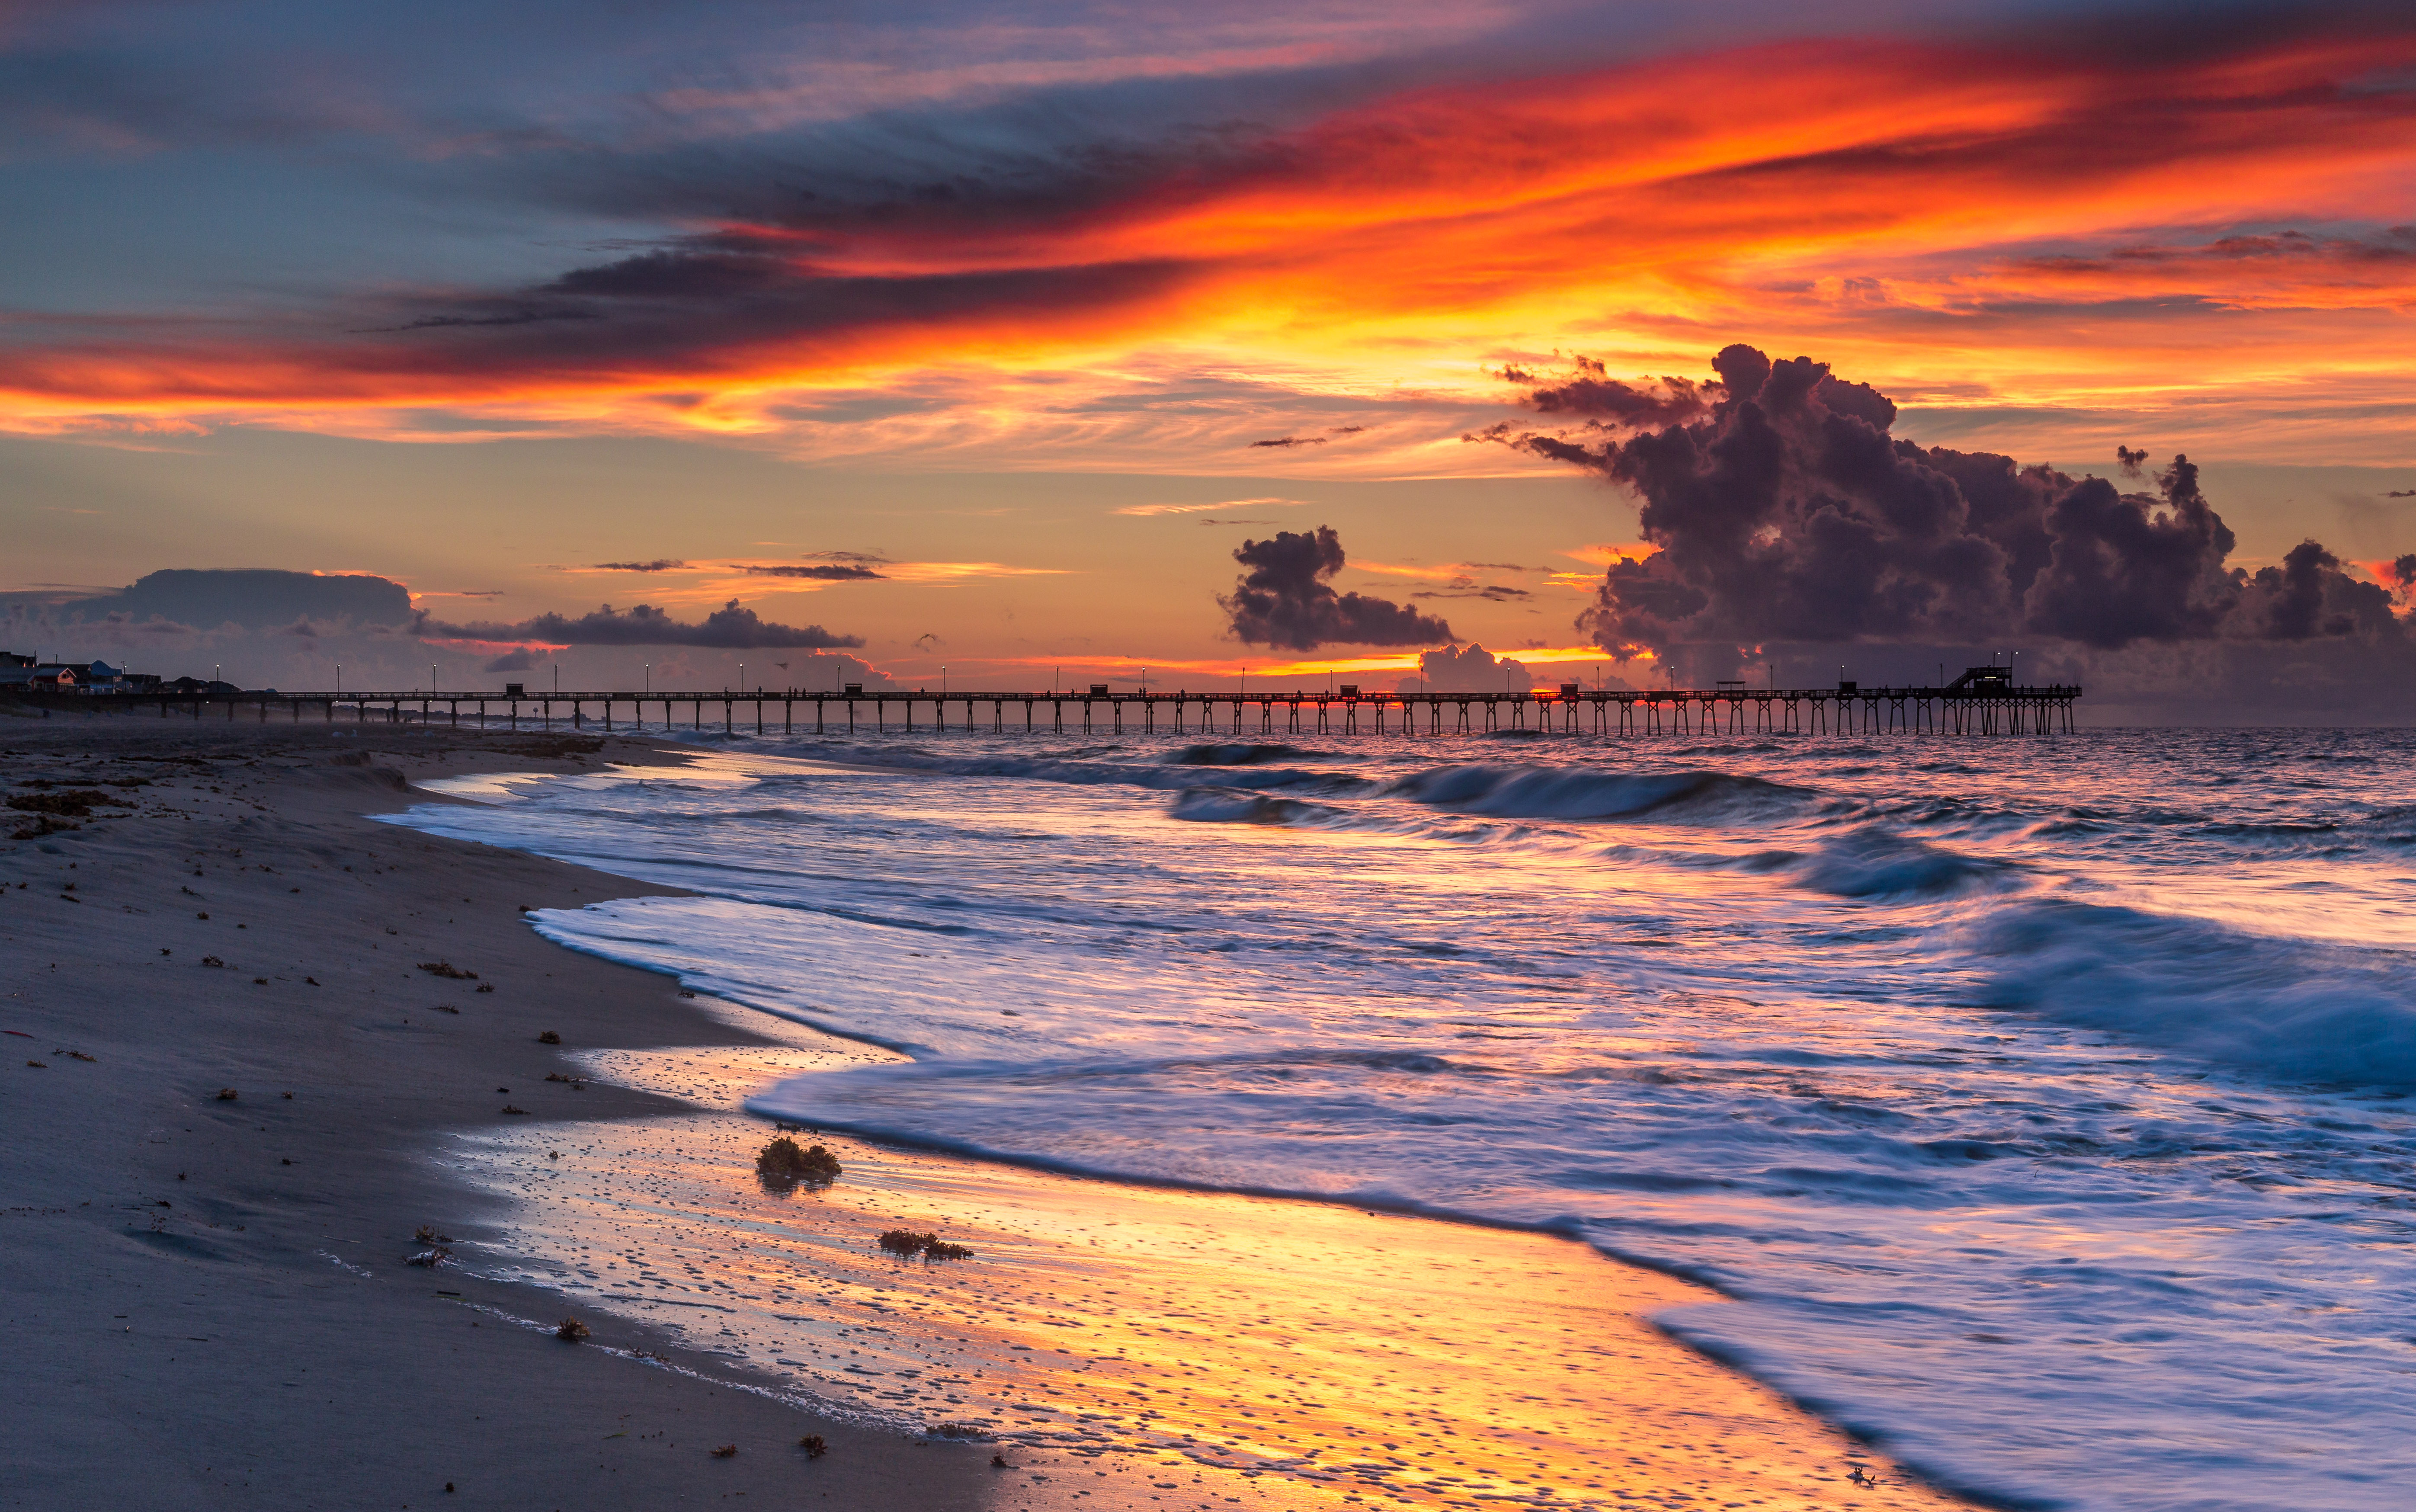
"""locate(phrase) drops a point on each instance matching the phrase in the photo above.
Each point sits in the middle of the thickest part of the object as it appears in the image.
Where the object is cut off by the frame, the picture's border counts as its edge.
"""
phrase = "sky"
(1010, 344)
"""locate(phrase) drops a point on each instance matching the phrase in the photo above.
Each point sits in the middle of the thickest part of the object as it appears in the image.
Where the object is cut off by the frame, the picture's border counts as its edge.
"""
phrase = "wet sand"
(210, 1304)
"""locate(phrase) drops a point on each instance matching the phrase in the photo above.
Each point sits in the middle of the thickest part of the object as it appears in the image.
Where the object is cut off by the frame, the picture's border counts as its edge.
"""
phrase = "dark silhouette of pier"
(1982, 702)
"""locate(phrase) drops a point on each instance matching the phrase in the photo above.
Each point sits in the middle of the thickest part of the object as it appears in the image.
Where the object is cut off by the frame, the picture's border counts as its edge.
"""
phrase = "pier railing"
(1848, 709)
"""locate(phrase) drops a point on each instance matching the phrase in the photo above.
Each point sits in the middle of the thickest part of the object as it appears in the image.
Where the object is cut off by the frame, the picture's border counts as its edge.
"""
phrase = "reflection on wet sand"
(1230, 1348)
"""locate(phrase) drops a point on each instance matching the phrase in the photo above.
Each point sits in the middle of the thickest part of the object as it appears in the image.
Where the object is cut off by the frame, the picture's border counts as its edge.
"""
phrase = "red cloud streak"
(1719, 183)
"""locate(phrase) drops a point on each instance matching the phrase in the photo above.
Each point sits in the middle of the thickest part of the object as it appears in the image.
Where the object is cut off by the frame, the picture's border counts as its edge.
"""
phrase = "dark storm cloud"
(1787, 514)
(1284, 600)
(729, 628)
(518, 317)
(1593, 394)
(679, 306)
(821, 572)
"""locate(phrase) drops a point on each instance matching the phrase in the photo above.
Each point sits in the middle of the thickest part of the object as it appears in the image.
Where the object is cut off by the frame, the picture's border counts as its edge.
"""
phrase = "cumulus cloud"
(729, 628)
(830, 672)
(254, 597)
(1285, 599)
(1472, 668)
(1785, 513)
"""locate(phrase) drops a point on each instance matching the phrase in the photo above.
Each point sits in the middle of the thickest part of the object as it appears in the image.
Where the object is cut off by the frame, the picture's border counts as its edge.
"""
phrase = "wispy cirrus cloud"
(1150, 509)
(687, 581)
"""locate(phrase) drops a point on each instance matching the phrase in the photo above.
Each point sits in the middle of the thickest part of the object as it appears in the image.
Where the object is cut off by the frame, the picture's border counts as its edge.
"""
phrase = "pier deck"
(1961, 708)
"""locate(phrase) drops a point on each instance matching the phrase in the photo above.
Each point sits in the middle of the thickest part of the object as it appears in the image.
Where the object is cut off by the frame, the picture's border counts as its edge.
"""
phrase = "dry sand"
(208, 1302)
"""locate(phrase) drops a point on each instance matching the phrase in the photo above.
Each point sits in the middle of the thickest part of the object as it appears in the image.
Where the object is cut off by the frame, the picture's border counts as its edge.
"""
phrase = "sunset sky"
(985, 334)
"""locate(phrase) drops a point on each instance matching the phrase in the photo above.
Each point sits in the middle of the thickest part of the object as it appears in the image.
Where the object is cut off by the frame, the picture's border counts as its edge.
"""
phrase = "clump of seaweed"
(430, 1259)
(907, 1243)
(427, 1234)
(549, 1038)
(958, 1430)
(813, 1445)
(570, 1331)
(227, 1094)
(76, 803)
(726, 1451)
(782, 1164)
(448, 971)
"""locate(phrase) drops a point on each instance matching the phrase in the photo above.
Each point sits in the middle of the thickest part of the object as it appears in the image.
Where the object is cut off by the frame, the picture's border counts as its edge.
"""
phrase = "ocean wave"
(1223, 805)
(1091, 767)
(2298, 1011)
(1240, 753)
(1565, 793)
(1877, 865)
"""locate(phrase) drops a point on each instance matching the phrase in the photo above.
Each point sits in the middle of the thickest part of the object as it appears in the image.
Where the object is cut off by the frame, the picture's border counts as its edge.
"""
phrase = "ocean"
(2042, 1102)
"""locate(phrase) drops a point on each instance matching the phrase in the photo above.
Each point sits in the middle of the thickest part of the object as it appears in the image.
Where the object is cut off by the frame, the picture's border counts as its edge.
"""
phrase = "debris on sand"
(428, 1235)
(549, 1038)
(509, 1109)
(726, 1451)
(430, 1259)
(813, 1445)
(907, 1243)
(226, 1095)
(570, 1331)
(781, 1162)
(448, 971)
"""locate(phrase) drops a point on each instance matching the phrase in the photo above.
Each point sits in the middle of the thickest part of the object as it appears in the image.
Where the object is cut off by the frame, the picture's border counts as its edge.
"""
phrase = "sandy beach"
(238, 1093)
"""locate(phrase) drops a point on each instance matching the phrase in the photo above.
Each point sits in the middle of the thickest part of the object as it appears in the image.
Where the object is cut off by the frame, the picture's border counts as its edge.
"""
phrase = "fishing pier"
(1982, 702)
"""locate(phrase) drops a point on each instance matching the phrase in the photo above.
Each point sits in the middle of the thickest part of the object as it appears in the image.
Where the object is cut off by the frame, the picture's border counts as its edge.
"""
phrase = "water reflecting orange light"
(1223, 1348)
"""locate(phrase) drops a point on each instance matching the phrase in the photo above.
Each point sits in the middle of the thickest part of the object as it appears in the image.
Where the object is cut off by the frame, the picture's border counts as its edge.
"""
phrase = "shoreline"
(199, 1322)
(235, 1215)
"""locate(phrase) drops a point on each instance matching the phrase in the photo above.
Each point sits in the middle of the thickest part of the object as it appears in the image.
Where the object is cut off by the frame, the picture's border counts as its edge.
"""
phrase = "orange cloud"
(2038, 222)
